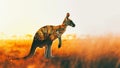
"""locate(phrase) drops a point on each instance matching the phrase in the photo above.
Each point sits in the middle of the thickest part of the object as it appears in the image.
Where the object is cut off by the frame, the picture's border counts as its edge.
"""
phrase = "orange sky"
(90, 16)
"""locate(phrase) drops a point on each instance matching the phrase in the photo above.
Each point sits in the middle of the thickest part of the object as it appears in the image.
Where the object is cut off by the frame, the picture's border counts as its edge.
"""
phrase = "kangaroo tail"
(32, 50)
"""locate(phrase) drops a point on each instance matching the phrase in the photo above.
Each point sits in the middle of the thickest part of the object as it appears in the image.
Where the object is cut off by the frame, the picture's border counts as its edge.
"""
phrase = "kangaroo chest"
(57, 33)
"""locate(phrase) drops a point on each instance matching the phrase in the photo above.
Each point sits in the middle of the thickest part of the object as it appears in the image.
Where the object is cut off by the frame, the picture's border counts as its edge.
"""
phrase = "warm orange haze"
(93, 43)
(83, 52)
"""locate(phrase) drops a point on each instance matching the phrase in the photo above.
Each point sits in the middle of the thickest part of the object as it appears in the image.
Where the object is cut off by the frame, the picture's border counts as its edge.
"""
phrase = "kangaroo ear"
(67, 15)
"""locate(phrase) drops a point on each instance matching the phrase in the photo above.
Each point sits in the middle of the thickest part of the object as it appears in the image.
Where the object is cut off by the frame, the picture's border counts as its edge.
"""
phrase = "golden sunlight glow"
(29, 36)
(69, 37)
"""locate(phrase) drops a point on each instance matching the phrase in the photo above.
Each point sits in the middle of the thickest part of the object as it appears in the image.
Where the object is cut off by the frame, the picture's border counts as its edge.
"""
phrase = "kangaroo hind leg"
(48, 53)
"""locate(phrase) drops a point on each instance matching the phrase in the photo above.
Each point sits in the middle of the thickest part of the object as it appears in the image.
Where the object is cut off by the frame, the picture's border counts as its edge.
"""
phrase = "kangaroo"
(47, 34)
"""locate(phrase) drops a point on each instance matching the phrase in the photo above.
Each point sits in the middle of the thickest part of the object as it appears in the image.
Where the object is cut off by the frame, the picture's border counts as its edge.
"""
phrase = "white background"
(93, 17)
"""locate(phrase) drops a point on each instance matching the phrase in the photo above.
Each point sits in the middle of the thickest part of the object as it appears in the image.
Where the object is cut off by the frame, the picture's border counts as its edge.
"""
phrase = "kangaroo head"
(67, 21)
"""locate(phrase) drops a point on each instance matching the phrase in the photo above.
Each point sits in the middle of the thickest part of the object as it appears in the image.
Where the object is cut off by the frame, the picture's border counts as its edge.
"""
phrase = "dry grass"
(88, 52)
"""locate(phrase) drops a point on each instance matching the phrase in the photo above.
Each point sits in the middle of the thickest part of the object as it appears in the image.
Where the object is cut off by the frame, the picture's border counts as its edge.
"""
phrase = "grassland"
(83, 52)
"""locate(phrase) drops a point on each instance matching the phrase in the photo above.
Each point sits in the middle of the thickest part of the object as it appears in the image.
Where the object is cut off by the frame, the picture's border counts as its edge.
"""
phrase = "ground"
(82, 52)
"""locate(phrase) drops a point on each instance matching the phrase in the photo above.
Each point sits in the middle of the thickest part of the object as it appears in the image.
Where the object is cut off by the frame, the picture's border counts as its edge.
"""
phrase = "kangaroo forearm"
(60, 42)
